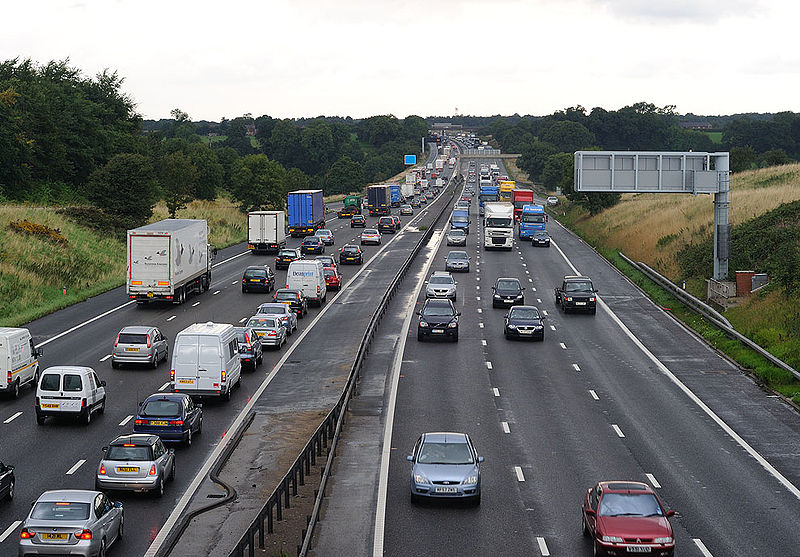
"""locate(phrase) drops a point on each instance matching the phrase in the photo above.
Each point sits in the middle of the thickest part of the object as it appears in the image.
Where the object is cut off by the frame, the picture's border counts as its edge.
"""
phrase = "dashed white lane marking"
(505, 427)
(243, 319)
(521, 258)
(702, 547)
(126, 420)
(480, 310)
(520, 475)
(478, 287)
(480, 325)
(544, 311)
(104, 358)
(10, 529)
(617, 430)
(164, 386)
(477, 278)
(576, 367)
(539, 300)
(215, 293)
(195, 304)
(171, 317)
(543, 547)
(524, 264)
(562, 345)
(483, 343)
(530, 280)
(527, 272)
(495, 391)
(478, 298)
(488, 365)
(594, 394)
(533, 288)
(653, 481)
(75, 466)
(235, 282)
(552, 327)
(12, 418)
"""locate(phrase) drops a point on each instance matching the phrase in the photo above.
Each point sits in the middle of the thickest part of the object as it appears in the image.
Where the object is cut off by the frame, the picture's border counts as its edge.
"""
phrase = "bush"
(41, 230)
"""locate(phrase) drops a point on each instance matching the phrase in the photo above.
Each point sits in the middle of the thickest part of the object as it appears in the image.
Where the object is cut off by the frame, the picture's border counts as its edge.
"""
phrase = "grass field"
(34, 270)
(716, 137)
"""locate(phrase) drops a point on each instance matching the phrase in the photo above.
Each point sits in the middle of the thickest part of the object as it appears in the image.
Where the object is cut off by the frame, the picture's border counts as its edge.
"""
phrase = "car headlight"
(537, 327)
(569, 299)
(519, 296)
(423, 324)
(615, 539)
(470, 480)
(592, 299)
(453, 325)
(663, 540)
(511, 326)
(498, 297)
(420, 479)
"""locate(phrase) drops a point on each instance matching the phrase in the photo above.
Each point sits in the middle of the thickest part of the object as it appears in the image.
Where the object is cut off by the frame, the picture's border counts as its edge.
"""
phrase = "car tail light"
(83, 403)
(224, 376)
(116, 342)
(37, 402)
(148, 341)
(26, 534)
(272, 334)
(152, 470)
(140, 422)
(172, 375)
(318, 289)
(176, 422)
(102, 471)
(8, 378)
(84, 534)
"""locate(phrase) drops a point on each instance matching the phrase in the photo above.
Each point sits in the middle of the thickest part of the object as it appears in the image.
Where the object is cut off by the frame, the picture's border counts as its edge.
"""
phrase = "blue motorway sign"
(410, 159)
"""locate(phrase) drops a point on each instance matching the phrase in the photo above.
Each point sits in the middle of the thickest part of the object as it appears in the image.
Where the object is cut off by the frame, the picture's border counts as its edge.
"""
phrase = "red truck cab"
(520, 198)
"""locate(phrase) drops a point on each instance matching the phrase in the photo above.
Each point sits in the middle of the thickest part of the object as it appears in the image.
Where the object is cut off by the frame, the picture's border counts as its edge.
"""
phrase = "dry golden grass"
(227, 224)
(653, 227)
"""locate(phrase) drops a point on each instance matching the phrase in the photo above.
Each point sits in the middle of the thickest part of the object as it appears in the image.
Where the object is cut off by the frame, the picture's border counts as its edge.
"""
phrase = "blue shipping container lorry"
(394, 189)
(533, 218)
(306, 210)
(487, 193)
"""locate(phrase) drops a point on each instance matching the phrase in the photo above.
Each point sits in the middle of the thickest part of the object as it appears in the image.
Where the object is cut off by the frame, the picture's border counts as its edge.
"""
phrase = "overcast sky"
(294, 58)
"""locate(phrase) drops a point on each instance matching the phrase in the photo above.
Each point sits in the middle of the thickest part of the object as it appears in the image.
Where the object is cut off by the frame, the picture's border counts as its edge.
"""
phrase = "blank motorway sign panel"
(645, 171)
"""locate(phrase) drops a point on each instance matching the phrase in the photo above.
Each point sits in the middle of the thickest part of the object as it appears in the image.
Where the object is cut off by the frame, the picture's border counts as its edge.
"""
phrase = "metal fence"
(327, 434)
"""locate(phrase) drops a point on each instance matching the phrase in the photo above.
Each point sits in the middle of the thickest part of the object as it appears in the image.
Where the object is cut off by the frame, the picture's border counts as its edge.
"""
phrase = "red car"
(333, 280)
(627, 518)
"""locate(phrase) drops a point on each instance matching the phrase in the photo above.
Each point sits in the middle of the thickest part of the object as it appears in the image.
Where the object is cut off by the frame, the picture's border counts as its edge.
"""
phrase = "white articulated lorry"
(167, 260)
(266, 231)
(498, 225)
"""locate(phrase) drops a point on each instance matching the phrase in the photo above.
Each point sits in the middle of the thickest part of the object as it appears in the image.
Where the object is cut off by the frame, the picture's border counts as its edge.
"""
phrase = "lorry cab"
(19, 363)
(532, 220)
(205, 360)
(308, 276)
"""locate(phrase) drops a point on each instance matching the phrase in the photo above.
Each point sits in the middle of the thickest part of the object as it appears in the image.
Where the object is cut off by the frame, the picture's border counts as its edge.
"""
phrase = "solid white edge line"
(104, 358)
(520, 475)
(170, 318)
(495, 391)
(576, 367)
(618, 431)
(126, 420)
(593, 393)
(75, 467)
(9, 530)
(552, 327)
(12, 418)
(158, 541)
(702, 547)
(543, 547)
(506, 429)
(197, 303)
(215, 293)
(653, 481)
(689, 393)
(562, 345)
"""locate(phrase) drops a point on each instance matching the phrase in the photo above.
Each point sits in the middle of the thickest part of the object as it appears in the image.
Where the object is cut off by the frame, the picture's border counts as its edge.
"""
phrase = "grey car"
(441, 285)
(445, 465)
(269, 328)
(71, 522)
(456, 237)
(457, 261)
(251, 352)
(139, 344)
(283, 312)
(136, 462)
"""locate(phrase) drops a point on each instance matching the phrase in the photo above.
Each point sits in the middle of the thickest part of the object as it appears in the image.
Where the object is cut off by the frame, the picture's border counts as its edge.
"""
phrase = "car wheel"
(244, 290)
(420, 337)
(154, 363)
(102, 408)
(455, 338)
(10, 492)
(594, 311)
(15, 390)
(227, 396)
(477, 500)
(159, 489)
(507, 336)
(121, 529)
(39, 419)
(189, 438)
(415, 499)
(87, 416)
(260, 359)
(584, 528)
(171, 476)
(102, 551)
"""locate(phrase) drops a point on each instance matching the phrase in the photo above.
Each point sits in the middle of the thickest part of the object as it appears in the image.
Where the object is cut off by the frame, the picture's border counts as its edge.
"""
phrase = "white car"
(552, 200)
(370, 236)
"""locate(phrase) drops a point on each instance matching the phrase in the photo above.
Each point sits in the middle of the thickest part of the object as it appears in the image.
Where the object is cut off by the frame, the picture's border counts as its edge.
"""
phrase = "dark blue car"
(172, 416)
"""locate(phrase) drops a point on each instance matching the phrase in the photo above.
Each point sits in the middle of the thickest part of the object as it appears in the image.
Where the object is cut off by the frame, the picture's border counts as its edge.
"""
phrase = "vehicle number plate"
(149, 294)
(437, 330)
(525, 332)
(638, 548)
(186, 381)
(259, 335)
(580, 303)
(159, 422)
(128, 468)
(51, 536)
(131, 350)
(255, 280)
(44, 405)
(446, 490)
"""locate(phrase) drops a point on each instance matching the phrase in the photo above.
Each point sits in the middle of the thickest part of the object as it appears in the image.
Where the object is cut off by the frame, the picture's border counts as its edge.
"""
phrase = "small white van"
(308, 276)
(205, 360)
(19, 364)
(70, 391)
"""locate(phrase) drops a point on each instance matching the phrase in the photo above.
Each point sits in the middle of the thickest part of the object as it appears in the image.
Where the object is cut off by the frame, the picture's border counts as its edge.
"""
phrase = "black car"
(294, 299)
(386, 225)
(358, 221)
(507, 292)
(286, 256)
(258, 278)
(438, 318)
(351, 254)
(540, 238)
(171, 416)
(577, 293)
(6, 482)
(312, 244)
(251, 353)
(524, 322)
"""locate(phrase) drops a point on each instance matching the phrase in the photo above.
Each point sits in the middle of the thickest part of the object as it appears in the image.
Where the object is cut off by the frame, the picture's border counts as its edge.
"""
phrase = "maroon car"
(627, 518)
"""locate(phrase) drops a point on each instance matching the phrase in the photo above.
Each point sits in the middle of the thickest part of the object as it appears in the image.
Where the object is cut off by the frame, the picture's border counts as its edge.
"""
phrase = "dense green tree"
(226, 156)
(774, 157)
(557, 172)
(125, 187)
(259, 183)
(177, 176)
(378, 130)
(237, 136)
(316, 142)
(15, 147)
(741, 158)
(533, 157)
(210, 172)
(284, 143)
(344, 176)
(568, 136)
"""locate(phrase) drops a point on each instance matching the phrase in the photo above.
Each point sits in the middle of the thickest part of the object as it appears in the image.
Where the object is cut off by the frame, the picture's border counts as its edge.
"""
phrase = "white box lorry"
(498, 225)
(19, 363)
(266, 231)
(407, 190)
(167, 260)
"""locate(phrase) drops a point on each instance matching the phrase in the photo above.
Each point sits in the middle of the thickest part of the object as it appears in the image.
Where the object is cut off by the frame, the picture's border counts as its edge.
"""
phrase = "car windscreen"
(350, 249)
(445, 453)
(524, 313)
(579, 287)
(437, 311)
(50, 382)
(255, 273)
(457, 255)
(261, 323)
(72, 383)
(162, 408)
(132, 338)
(441, 280)
(533, 219)
(313, 241)
(60, 510)
(328, 272)
(322, 232)
(459, 218)
(139, 453)
(287, 253)
(629, 504)
(457, 232)
(370, 231)
(272, 308)
(287, 296)
(541, 234)
(498, 222)
(508, 285)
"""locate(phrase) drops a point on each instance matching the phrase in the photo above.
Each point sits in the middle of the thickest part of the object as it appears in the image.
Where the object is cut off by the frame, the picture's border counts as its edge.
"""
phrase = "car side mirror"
(419, 313)
(506, 315)
(410, 458)
(670, 513)
(39, 353)
(458, 313)
(595, 291)
(426, 282)
(591, 512)
(523, 288)
(104, 449)
(480, 459)
(140, 405)
(172, 451)
(102, 383)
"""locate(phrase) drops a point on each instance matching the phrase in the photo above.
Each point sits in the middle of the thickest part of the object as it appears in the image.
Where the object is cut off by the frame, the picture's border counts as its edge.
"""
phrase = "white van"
(205, 360)
(308, 275)
(69, 391)
(18, 360)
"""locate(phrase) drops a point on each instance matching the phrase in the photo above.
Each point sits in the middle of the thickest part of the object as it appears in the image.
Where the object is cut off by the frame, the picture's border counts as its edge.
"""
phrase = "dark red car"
(627, 518)
(333, 280)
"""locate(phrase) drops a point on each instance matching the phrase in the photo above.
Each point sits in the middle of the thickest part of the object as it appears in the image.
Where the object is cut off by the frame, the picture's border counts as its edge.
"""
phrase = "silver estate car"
(136, 462)
(71, 522)
(445, 465)
(283, 312)
(269, 328)
(441, 285)
(139, 345)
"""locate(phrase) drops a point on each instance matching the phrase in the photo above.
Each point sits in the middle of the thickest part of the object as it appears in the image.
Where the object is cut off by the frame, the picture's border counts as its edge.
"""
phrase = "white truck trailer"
(266, 231)
(167, 260)
(498, 225)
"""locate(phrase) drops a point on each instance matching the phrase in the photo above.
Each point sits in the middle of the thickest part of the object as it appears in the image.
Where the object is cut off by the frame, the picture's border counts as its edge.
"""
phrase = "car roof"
(456, 251)
(168, 396)
(256, 268)
(67, 369)
(134, 439)
(136, 329)
(512, 308)
(576, 277)
(615, 486)
(71, 495)
(441, 274)
(274, 305)
(296, 291)
(438, 302)
(445, 437)
(507, 278)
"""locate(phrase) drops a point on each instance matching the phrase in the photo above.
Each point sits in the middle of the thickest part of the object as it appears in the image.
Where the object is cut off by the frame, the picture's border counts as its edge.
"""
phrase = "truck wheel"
(15, 390)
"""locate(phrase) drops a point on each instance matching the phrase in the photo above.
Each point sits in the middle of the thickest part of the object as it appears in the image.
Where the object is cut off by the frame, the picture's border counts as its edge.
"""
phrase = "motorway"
(64, 454)
(627, 394)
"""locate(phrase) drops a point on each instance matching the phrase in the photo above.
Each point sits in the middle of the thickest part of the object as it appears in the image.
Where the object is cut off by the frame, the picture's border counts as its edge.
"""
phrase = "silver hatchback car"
(139, 345)
(136, 462)
(441, 285)
(270, 329)
(71, 522)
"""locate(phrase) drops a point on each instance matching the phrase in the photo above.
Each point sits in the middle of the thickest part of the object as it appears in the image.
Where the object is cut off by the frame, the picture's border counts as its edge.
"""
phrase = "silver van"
(69, 391)
(205, 360)
(139, 345)
(19, 363)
